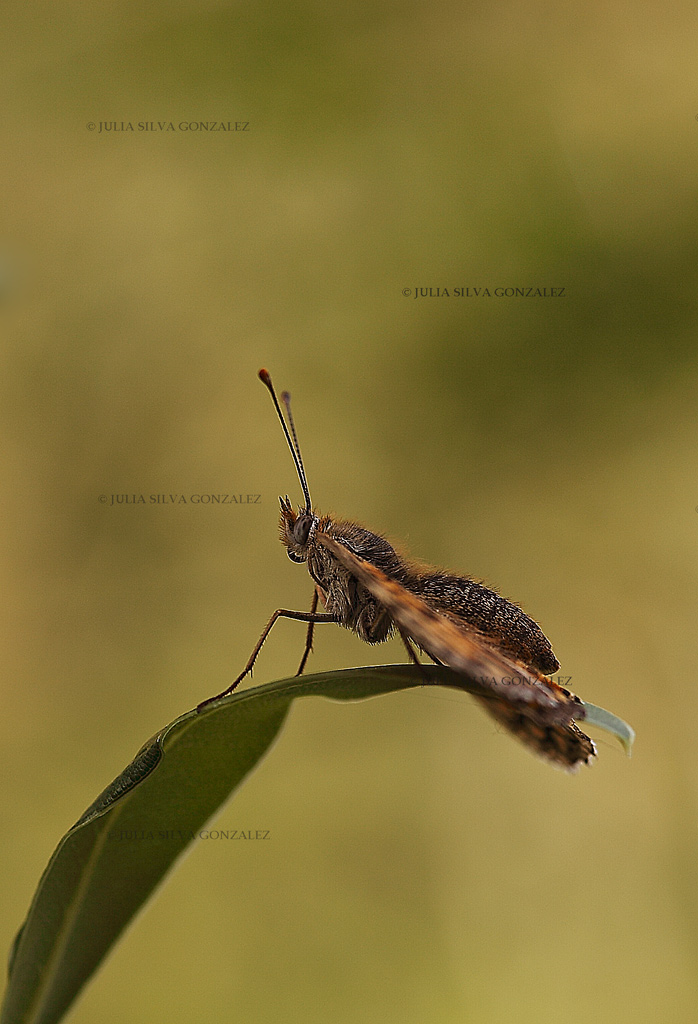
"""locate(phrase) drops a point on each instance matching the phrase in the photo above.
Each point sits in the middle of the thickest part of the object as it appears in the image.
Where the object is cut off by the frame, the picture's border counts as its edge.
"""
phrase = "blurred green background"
(421, 866)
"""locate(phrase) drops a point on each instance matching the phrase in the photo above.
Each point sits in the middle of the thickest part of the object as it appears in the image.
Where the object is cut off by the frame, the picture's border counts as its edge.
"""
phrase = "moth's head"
(296, 529)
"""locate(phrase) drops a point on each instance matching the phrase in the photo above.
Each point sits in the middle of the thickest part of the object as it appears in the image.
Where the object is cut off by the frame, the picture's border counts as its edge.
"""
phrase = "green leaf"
(611, 723)
(108, 864)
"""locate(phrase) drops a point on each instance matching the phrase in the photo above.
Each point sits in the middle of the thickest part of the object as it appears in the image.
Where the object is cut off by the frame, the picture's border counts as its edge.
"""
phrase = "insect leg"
(280, 613)
(309, 636)
(409, 647)
(411, 653)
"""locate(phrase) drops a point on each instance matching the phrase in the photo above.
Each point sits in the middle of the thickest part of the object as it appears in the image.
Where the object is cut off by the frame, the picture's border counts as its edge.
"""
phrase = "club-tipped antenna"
(265, 378)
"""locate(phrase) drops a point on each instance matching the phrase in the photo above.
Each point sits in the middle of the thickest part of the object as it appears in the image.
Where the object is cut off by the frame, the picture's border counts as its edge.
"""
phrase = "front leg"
(280, 613)
(309, 635)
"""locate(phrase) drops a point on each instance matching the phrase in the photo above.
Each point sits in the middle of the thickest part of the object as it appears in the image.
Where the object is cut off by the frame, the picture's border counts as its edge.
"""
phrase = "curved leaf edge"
(151, 753)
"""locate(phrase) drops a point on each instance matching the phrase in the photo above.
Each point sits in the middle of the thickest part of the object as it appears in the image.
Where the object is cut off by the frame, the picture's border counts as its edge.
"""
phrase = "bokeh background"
(420, 865)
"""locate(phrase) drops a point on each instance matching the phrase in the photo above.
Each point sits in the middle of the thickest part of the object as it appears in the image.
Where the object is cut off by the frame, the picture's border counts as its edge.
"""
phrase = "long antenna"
(265, 378)
(286, 399)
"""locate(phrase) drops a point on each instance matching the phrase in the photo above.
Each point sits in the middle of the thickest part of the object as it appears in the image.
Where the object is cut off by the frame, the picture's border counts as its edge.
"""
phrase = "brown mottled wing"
(563, 743)
(531, 706)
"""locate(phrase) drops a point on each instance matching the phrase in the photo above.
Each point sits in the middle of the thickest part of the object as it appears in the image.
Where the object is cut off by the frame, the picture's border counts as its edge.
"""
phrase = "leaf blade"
(606, 720)
(100, 876)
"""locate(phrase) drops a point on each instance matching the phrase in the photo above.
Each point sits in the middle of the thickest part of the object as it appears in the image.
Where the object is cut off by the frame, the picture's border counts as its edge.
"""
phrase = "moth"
(364, 584)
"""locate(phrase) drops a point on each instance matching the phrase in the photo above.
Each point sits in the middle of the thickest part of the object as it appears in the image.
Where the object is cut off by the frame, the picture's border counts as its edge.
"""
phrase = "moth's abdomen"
(496, 619)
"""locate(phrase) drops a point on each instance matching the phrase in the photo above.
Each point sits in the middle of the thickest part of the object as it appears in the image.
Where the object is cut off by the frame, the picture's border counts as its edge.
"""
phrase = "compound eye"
(293, 556)
(301, 529)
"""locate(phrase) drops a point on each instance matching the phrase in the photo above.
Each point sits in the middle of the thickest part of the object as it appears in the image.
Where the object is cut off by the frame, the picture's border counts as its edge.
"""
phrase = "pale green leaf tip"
(594, 715)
